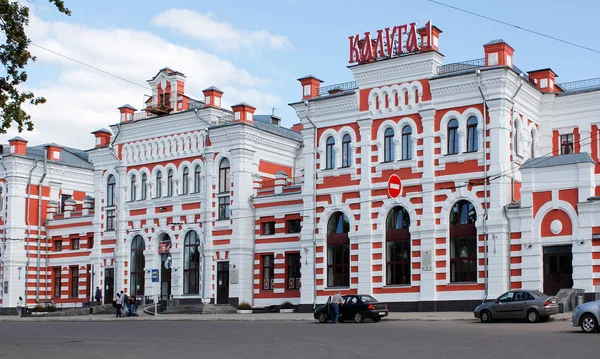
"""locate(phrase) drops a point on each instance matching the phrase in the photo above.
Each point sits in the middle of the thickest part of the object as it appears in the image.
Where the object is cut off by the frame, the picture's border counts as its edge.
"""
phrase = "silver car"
(586, 316)
(532, 305)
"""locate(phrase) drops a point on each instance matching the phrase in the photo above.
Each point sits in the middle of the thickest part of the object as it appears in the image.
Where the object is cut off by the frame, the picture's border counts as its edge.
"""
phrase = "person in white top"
(336, 301)
(119, 304)
(20, 307)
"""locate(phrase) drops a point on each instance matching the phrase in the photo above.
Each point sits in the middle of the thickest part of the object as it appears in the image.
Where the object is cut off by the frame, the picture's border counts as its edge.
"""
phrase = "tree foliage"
(14, 55)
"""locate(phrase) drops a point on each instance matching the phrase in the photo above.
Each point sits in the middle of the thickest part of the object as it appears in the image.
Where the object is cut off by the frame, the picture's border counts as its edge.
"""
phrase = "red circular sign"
(394, 186)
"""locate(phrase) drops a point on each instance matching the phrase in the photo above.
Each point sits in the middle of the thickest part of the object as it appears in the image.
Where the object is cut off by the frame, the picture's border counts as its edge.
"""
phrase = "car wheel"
(533, 316)
(485, 316)
(358, 318)
(322, 318)
(376, 319)
(589, 323)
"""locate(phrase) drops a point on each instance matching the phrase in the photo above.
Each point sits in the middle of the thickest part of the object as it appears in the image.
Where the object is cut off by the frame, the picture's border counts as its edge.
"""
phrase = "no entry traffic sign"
(394, 186)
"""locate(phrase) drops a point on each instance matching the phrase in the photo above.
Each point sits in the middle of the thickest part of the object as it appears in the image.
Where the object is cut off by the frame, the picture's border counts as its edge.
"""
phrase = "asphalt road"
(391, 339)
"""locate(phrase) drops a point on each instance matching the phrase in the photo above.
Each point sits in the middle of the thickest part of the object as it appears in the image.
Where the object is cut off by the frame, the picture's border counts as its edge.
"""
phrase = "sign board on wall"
(426, 261)
(234, 276)
(155, 276)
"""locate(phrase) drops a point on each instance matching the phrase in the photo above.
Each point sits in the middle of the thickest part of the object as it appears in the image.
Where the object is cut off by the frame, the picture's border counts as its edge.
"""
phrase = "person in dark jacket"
(98, 295)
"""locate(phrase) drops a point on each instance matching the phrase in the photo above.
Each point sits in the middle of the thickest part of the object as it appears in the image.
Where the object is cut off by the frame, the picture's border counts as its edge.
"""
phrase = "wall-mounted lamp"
(163, 209)
(529, 246)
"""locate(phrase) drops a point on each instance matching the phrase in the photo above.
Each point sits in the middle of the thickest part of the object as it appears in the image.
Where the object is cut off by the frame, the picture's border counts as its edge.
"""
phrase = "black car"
(355, 307)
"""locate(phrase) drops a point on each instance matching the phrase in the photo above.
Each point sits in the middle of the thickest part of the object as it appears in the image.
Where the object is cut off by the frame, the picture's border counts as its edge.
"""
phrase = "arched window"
(170, 183)
(516, 137)
(453, 137)
(338, 251)
(224, 188)
(406, 143)
(185, 181)
(388, 145)
(158, 184)
(133, 188)
(463, 243)
(137, 264)
(346, 151)
(472, 140)
(111, 186)
(197, 179)
(191, 263)
(329, 153)
(397, 244)
(144, 186)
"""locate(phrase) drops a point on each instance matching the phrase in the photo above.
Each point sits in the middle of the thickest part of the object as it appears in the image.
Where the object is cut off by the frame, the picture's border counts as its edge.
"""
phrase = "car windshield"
(367, 299)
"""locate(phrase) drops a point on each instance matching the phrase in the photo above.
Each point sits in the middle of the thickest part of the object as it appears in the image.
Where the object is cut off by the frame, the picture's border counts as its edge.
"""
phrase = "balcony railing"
(331, 89)
(582, 85)
(461, 66)
(292, 181)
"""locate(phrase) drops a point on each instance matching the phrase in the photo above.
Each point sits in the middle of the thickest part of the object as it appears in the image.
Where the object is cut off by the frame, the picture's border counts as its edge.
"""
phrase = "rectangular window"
(268, 272)
(566, 144)
(293, 271)
(57, 283)
(268, 228)
(338, 265)
(74, 243)
(110, 220)
(294, 226)
(90, 242)
(224, 207)
(74, 282)
(63, 198)
(463, 259)
(58, 246)
(397, 262)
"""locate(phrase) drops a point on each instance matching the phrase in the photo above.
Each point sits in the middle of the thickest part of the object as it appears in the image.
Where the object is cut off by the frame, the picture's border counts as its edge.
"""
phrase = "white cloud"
(222, 35)
(81, 100)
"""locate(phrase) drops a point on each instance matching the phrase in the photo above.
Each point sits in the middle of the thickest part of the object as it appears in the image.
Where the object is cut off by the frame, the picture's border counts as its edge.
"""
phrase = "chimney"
(18, 146)
(544, 80)
(102, 137)
(297, 127)
(127, 112)
(53, 152)
(310, 86)
(498, 53)
(430, 36)
(242, 112)
(212, 97)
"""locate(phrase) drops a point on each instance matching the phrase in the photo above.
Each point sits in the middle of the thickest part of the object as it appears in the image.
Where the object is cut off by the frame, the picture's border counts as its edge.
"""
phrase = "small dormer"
(310, 86)
(275, 120)
(544, 79)
(212, 97)
(102, 137)
(127, 112)
(168, 88)
(18, 146)
(498, 53)
(242, 112)
(53, 152)
(430, 36)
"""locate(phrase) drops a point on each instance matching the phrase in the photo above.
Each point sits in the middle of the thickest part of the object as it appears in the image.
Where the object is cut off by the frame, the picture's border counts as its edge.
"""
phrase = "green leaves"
(14, 56)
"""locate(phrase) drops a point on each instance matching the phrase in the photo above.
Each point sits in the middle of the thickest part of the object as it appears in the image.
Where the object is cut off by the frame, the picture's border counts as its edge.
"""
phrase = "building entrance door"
(109, 285)
(558, 268)
(165, 276)
(222, 282)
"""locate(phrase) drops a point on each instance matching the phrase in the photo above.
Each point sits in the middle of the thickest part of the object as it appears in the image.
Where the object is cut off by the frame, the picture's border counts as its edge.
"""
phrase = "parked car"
(532, 305)
(355, 307)
(586, 316)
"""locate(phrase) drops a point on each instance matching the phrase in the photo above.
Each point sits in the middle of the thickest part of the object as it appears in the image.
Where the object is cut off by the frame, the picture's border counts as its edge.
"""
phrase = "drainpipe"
(4, 216)
(485, 188)
(253, 233)
(314, 193)
(505, 210)
(512, 129)
(39, 228)
(112, 152)
(205, 217)
(28, 224)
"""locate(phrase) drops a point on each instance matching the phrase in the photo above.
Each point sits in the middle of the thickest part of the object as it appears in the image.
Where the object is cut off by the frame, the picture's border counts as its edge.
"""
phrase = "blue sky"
(134, 39)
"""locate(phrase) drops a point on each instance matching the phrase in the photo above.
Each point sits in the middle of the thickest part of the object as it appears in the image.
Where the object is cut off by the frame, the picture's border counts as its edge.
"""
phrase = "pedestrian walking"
(132, 304)
(119, 304)
(336, 301)
(20, 307)
(98, 295)
(126, 304)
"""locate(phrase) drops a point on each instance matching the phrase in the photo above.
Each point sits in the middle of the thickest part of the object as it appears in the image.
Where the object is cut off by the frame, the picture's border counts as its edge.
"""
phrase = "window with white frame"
(330, 153)
(453, 139)
(406, 142)
(388, 145)
(472, 134)
(346, 151)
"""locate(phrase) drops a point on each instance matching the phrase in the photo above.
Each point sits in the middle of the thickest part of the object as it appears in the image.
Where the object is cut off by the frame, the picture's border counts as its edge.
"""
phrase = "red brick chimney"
(310, 86)
(18, 146)
(544, 80)
(242, 112)
(212, 97)
(430, 36)
(102, 137)
(127, 112)
(498, 53)
(53, 152)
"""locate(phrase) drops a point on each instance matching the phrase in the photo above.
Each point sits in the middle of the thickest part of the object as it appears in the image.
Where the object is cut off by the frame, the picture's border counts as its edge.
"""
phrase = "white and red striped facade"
(499, 190)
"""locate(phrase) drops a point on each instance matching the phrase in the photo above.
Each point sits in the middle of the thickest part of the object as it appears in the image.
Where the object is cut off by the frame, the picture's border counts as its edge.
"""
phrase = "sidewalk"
(260, 317)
